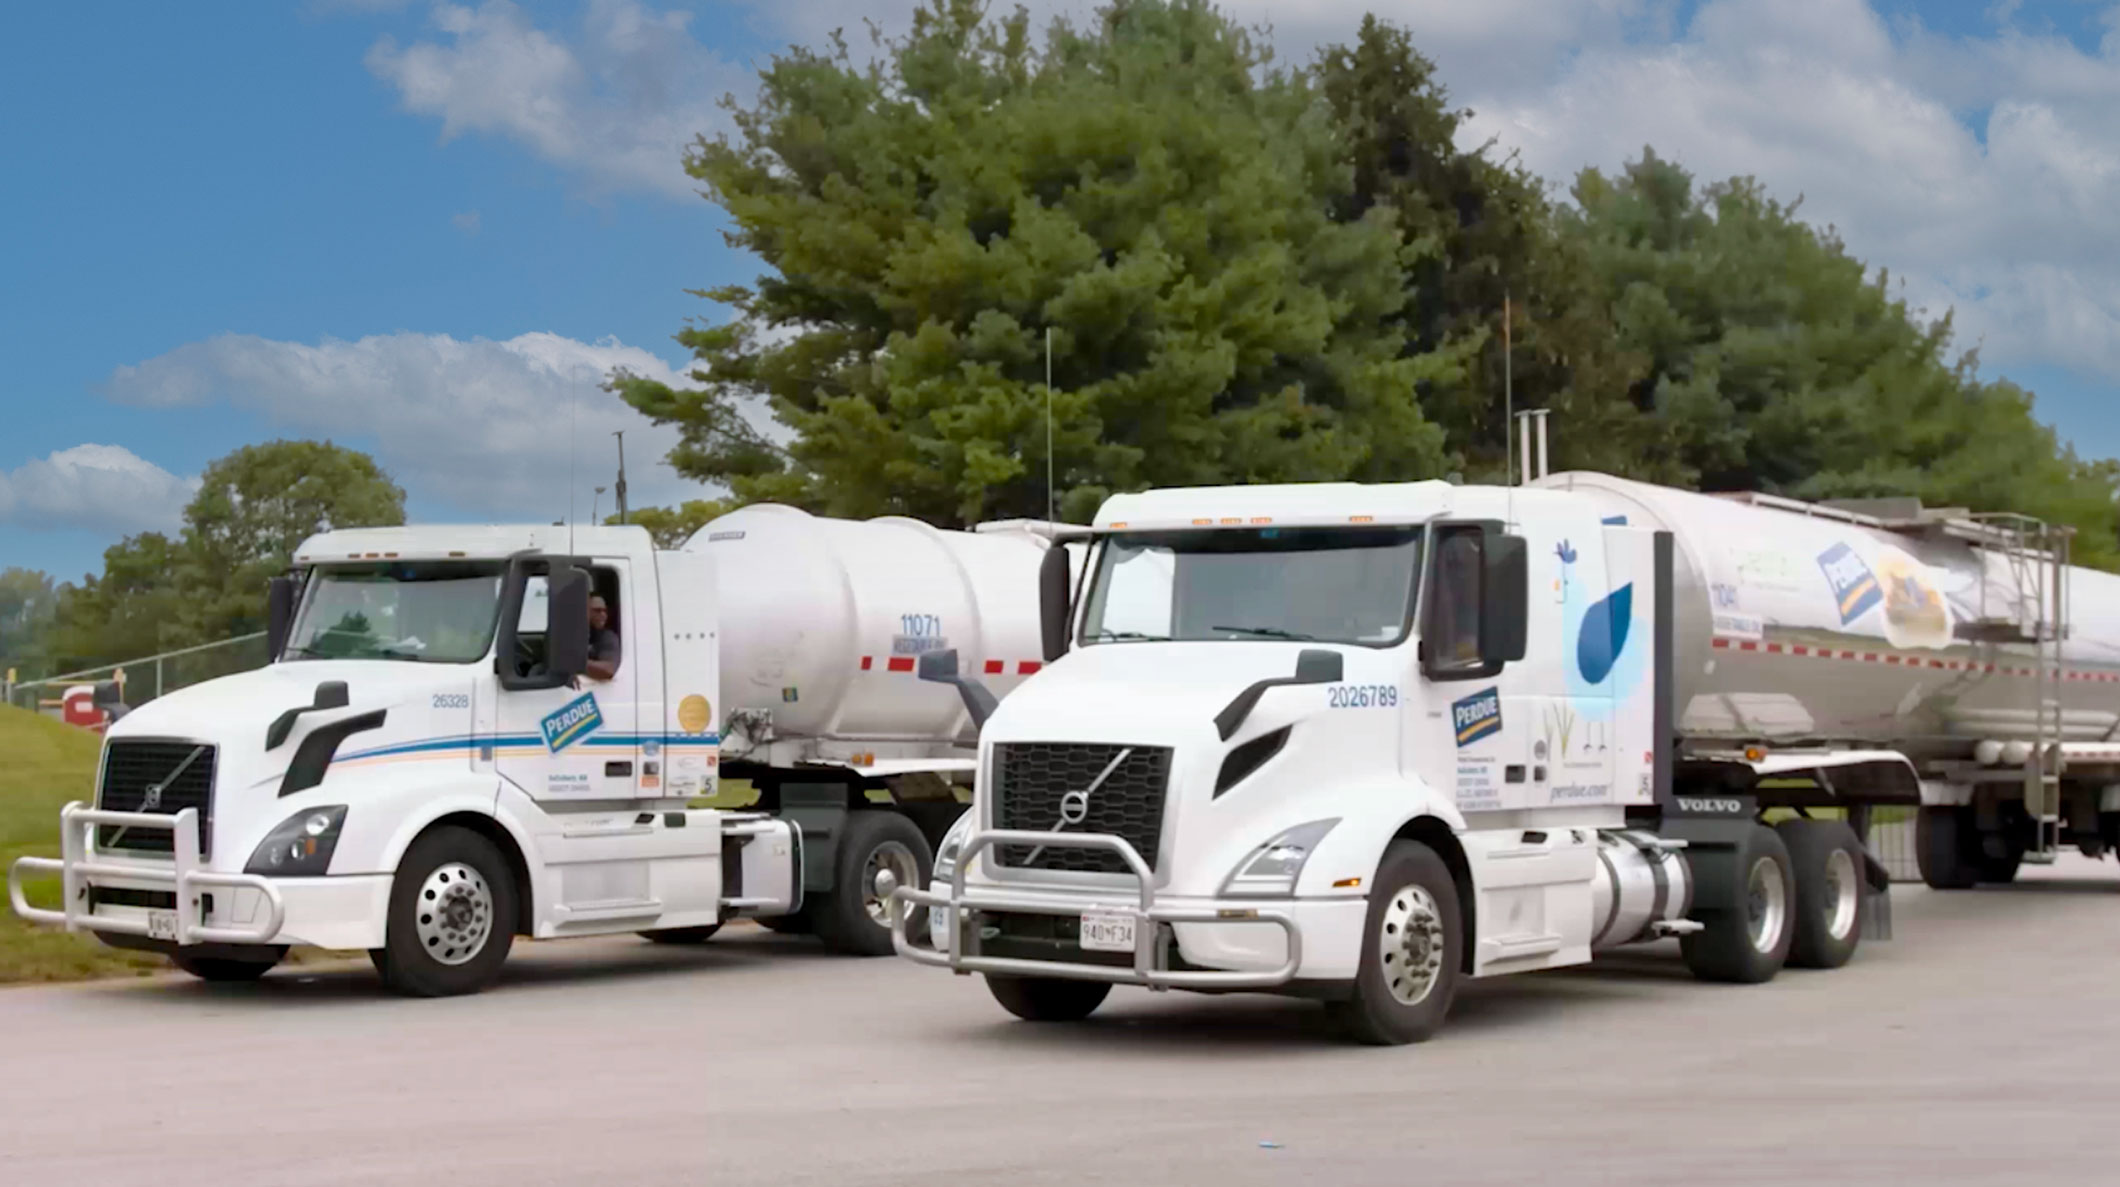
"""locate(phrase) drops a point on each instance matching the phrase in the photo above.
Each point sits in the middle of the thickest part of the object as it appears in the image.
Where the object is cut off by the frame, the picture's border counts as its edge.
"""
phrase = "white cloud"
(500, 430)
(2018, 229)
(616, 106)
(98, 487)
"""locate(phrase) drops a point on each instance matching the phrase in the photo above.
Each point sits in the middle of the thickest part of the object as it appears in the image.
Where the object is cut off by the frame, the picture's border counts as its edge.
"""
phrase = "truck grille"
(131, 769)
(1031, 778)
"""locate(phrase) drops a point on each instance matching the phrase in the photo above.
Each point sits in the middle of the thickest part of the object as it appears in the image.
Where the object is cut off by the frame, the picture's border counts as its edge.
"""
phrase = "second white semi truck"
(1360, 743)
(433, 763)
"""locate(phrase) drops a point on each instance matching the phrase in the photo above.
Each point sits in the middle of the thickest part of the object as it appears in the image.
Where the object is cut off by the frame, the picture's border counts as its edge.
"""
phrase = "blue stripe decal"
(464, 742)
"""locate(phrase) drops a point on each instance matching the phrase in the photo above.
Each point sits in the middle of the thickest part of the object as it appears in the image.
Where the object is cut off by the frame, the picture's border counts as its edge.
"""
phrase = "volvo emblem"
(151, 798)
(1074, 808)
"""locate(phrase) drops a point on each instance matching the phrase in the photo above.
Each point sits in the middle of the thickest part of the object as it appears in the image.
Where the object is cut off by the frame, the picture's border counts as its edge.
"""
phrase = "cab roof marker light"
(1361, 519)
(1229, 519)
(1203, 523)
(1262, 519)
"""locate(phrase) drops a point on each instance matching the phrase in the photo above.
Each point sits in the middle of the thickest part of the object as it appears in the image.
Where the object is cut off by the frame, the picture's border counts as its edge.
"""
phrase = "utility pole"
(621, 435)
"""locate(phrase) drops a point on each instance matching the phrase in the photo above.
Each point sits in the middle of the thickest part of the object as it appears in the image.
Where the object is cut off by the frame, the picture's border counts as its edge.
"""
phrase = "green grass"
(45, 764)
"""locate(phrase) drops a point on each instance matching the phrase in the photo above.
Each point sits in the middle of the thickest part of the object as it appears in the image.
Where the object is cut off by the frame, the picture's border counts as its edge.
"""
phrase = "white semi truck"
(430, 766)
(1360, 743)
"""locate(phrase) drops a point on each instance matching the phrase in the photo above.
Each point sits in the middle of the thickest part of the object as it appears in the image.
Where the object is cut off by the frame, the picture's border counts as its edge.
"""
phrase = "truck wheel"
(1749, 942)
(851, 919)
(1047, 999)
(1827, 863)
(1412, 951)
(1947, 847)
(452, 916)
(683, 935)
(215, 968)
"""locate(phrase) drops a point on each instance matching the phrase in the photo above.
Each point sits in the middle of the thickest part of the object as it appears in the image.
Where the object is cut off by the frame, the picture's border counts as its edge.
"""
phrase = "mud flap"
(1876, 898)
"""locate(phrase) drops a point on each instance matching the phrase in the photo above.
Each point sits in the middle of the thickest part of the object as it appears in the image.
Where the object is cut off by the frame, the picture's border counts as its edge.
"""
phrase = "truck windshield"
(421, 611)
(1337, 585)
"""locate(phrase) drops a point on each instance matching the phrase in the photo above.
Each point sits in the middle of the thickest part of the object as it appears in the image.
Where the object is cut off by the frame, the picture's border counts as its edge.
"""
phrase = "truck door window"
(1453, 634)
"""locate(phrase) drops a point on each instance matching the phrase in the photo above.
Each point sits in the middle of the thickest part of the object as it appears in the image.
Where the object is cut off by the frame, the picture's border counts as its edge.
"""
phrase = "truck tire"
(1412, 951)
(850, 917)
(452, 916)
(1827, 863)
(218, 968)
(1947, 847)
(682, 935)
(1749, 942)
(1047, 999)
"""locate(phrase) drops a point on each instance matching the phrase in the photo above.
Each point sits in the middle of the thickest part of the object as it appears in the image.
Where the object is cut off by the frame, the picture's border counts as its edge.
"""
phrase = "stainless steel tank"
(1803, 623)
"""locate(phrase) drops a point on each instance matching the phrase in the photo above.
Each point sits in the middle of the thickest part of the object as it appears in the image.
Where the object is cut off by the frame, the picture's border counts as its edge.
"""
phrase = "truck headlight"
(1271, 870)
(952, 845)
(301, 846)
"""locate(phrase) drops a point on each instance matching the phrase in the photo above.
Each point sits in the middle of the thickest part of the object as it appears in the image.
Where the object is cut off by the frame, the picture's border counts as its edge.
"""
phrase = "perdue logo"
(1855, 588)
(1477, 716)
(1715, 805)
(578, 720)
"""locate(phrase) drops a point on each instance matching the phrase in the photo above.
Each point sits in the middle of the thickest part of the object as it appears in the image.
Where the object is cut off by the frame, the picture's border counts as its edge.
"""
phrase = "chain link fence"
(147, 677)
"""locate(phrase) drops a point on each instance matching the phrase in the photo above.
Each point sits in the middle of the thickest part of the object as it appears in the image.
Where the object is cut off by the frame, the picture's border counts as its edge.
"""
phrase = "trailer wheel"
(217, 968)
(682, 935)
(1412, 951)
(452, 912)
(851, 918)
(1047, 999)
(1828, 866)
(1748, 942)
(1947, 847)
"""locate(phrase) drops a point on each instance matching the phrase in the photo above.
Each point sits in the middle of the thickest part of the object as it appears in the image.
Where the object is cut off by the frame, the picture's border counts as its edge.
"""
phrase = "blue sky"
(426, 230)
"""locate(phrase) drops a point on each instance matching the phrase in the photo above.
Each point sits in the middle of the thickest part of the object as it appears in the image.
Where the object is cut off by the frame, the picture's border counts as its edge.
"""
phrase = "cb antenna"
(621, 435)
(1051, 516)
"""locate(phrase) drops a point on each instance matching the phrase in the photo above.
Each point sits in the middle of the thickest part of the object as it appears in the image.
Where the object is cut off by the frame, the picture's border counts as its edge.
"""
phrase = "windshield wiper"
(1269, 632)
(1130, 636)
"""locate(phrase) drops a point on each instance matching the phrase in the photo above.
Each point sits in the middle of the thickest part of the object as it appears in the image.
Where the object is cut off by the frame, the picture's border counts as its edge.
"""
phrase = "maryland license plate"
(1107, 931)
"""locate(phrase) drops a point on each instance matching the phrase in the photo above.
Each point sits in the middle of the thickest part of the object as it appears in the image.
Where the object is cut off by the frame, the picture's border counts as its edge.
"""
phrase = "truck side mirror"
(940, 667)
(1055, 601)
(279, 616)
(567, 627)
(1506, 594)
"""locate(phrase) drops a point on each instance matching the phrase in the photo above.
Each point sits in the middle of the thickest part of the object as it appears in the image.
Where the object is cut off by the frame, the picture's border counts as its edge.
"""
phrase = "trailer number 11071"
(1362, 696)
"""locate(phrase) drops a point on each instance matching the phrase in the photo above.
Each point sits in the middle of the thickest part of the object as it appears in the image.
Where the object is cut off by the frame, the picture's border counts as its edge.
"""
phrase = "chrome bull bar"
(1148, 967)
(182, 877)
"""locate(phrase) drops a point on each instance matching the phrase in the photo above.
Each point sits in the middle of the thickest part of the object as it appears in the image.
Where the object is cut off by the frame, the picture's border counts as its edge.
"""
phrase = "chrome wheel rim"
(1842, 894)
(455, 914)
(892, 856)
(1410, 945)
(1767, 905)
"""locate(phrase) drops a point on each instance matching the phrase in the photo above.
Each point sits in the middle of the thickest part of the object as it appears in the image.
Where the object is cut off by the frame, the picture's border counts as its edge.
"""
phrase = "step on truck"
(434, 762)
(1361, 743)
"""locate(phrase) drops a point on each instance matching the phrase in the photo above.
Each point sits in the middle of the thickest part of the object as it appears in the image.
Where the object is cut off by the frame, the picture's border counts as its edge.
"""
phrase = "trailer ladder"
(2036, 554)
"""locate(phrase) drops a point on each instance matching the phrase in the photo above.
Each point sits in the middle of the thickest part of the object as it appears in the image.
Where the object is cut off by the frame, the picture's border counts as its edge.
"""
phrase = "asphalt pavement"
(1978, 1046)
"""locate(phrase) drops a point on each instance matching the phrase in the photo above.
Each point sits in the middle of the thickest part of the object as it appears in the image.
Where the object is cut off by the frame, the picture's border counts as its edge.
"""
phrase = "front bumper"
(1152, 963)
(330, 912)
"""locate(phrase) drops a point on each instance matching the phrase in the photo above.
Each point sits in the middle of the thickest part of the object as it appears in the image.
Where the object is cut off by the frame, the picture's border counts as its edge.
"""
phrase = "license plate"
(161, 925)
(1107, 931)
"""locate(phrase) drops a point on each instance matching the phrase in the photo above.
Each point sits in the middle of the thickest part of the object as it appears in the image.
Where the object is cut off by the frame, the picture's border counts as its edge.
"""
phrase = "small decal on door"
(1477, 716)
(571, 724)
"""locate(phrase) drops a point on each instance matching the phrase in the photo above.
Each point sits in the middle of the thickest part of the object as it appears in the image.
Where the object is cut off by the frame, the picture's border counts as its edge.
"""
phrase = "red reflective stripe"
(1028, 667)
(867, 662)
(901, 663)
(994, 667)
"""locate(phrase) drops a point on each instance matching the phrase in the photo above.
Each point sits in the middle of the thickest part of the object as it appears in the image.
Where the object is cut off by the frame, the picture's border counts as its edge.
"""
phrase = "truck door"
(583, 742)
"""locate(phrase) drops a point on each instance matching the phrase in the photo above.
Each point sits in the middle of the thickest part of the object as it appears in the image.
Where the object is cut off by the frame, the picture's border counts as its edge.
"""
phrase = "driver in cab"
(604, 649)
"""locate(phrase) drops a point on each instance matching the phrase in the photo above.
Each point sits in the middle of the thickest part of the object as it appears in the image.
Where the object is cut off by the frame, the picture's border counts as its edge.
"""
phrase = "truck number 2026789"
(1362, 696)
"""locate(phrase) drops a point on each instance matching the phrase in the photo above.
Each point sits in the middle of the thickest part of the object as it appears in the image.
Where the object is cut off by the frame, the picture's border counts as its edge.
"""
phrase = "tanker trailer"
(435, 760)
(1967, 644)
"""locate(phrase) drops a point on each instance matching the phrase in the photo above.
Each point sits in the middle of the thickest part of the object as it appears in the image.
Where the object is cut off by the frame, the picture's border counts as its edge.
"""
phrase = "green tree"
(28, 601)
(1149, 188)
(672, 526)
(130, 609)
(253, 509)
(1499, 248)
(1775, 362)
